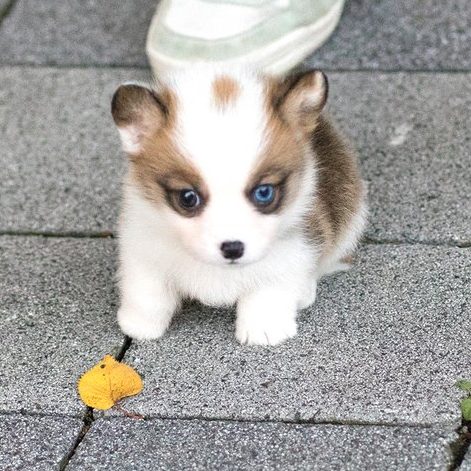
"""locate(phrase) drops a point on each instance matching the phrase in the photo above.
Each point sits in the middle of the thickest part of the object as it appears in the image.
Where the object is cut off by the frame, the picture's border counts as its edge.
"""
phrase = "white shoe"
(271, 35)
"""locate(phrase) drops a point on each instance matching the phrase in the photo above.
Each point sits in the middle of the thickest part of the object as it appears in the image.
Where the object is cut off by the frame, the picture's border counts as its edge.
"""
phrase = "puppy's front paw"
(264, 329)
(142, 325)
(267, 316)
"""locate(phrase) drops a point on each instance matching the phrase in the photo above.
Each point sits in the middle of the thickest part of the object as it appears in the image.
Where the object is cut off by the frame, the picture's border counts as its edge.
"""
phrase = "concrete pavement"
(368, 382)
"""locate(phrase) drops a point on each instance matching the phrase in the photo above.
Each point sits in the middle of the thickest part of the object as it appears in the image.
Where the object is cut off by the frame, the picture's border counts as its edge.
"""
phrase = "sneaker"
(272, 35)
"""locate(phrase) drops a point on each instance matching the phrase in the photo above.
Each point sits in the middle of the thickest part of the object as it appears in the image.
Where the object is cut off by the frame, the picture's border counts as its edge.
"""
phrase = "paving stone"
(124, 444)
(35, 443)
(76, 33)
(412, 135)
(398, 35)
(384, 343)
(57, 310)
(60, 157)
(62, 165)
(386, 34)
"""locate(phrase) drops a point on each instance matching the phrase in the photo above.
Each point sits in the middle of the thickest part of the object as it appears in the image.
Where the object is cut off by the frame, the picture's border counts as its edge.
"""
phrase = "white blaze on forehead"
(222, 142)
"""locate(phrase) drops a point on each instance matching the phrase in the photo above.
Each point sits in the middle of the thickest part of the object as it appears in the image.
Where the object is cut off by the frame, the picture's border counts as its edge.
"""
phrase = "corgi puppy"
(239, 192)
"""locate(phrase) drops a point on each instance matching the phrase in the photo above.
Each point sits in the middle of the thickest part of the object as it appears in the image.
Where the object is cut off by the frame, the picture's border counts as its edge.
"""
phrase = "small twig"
(131, 415)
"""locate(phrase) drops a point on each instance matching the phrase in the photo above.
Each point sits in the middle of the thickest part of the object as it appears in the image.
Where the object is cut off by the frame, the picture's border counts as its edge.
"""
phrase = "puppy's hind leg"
(334, 266)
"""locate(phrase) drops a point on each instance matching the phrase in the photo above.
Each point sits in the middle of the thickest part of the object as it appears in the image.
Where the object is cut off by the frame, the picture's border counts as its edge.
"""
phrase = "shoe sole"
(275, 59)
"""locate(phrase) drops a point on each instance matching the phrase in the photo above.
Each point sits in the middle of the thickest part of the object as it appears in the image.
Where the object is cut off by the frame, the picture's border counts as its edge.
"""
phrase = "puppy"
(239, 191)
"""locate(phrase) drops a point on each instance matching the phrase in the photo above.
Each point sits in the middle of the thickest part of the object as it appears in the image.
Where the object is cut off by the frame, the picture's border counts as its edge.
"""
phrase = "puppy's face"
(224, 160)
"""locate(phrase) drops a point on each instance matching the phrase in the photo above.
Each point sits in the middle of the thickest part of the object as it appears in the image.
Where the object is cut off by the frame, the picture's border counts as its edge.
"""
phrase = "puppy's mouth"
(241, 263)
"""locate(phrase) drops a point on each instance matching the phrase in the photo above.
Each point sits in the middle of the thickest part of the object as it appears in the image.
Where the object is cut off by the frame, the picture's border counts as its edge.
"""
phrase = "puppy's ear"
(300, 98)
(138, 113)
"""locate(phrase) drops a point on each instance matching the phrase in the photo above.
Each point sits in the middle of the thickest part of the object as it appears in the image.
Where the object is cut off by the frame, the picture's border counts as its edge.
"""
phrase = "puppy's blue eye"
(189, 199)
(263, 195)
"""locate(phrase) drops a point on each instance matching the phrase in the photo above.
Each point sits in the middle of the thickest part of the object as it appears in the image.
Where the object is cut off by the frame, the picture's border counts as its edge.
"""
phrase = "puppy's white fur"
(165, 257)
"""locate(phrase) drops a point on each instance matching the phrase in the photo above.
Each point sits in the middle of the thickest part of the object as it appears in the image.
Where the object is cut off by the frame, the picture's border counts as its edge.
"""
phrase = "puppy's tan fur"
(340, 190)
(225, 91)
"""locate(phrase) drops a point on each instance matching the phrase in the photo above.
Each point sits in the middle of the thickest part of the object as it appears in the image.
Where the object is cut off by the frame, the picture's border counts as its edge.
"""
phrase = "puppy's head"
(224, 159)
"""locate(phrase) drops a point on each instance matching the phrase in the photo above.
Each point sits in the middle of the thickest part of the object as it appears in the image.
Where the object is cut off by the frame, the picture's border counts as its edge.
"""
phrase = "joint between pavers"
(61, 234)
(124, 348)
(328, 70)
(380, 241)
(72, 66)
(461, 445)
(26, 413)
(88, 420)
(395, 71)
(307, 422)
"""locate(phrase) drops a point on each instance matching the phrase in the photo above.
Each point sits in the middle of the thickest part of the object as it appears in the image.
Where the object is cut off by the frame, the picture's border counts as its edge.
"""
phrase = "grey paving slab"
(384, 343)
(76, 33)
(57, 309)
(35, 443)
(60, 157)
(386, 34)
(62, 165)
(414, 143)
(398, 35)
(171, 444)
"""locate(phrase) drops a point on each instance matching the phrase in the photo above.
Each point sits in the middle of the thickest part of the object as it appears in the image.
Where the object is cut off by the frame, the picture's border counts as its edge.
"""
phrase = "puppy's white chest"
(212, 285)
(224, 285)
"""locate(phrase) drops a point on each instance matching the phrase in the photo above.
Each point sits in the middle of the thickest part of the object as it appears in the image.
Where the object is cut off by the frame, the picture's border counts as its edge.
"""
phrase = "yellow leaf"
(107, 382)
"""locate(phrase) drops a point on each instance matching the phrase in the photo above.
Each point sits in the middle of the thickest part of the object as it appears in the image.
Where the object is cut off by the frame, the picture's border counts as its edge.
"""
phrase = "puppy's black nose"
(232, 249)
